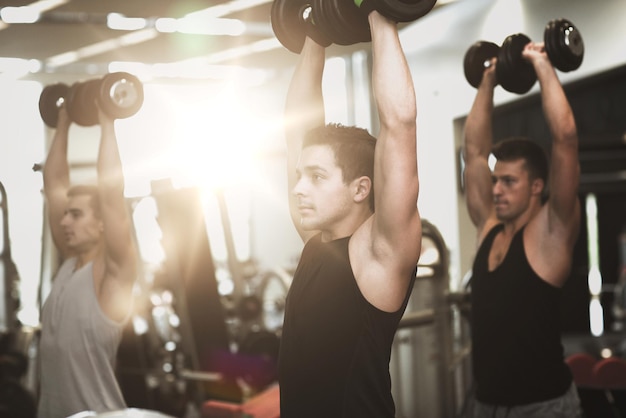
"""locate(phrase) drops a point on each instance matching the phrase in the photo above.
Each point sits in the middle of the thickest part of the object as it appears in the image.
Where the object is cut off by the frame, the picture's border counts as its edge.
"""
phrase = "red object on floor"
(610, 373)
(581, 365)
(264, 405)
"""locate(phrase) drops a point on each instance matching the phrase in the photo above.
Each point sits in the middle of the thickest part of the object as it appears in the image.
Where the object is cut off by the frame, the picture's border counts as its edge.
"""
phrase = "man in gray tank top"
(526, 244)
(90, 300)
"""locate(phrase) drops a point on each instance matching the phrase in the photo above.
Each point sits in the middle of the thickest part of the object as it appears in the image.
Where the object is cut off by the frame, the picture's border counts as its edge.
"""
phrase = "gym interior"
(204, 164)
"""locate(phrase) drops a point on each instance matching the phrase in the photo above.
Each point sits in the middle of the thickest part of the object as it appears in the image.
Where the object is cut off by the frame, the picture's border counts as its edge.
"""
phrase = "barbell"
(119, 95)
(341, 22)
(563, 44)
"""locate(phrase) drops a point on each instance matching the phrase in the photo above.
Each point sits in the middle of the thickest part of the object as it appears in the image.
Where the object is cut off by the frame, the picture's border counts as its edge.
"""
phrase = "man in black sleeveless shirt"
(358, 266)
(526, 241)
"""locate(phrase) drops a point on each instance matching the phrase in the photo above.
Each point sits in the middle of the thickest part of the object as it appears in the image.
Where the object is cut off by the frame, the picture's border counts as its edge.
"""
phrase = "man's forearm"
(304, 107)
(391, 78)
(556, 107)
(478, 137)
(109, 165)
(56, 168)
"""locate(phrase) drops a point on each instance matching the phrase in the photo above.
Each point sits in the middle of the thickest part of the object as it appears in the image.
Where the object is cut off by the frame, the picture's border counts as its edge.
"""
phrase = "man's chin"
(306, 226)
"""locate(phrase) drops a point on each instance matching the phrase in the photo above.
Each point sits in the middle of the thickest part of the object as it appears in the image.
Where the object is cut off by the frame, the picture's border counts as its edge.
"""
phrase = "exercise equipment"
(477, 58)
(51, 99)
(563, 44)
(9, 275)
(402, 10)
(513, 72)
(119, 95)
(292, 22)
(342, 22)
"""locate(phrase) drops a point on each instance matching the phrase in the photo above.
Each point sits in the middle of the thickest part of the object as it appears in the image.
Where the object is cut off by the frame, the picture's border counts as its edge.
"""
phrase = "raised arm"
(477, 143)
(121, 253)
(56, 181)
(396, 227)
(304, 110)
(563, 205)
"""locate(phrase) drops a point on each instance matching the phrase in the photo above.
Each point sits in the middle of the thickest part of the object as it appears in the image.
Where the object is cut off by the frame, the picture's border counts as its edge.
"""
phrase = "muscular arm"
(304, 110)
(396, 225)
(477, 143)
(56, 180)
(564, 166)
(120, 268)
(552, 235)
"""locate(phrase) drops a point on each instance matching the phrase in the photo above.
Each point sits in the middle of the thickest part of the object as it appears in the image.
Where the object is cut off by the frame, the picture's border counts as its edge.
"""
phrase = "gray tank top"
(78, 348)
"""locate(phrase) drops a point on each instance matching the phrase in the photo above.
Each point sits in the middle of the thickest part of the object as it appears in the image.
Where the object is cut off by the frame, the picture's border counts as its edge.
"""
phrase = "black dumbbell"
(336, 21)
(119, 94)
(563, 44)
(403, 10)
(477, 58)
(341, 21)
(345, 24)
(292, 21)
(51, 99)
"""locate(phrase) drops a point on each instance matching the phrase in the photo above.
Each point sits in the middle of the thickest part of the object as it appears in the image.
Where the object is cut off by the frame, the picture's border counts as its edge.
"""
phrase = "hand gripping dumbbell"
(341, 22)
(563, 44)
(119, 95)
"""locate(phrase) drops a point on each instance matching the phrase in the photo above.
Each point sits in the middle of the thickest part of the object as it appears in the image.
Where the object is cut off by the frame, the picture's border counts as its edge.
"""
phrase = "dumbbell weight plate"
(343, 21)
(313, 30)
(513, 72)
(404, 10)
(564, 45)
(476, 59)
(50, 100)
(323, 15)
(288, 20)
(120, 95)
(81, 102)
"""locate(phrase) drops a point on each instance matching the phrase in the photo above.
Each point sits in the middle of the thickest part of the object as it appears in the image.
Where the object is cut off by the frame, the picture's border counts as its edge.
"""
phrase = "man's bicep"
(118, 231)
(564, 181)
(396, 183)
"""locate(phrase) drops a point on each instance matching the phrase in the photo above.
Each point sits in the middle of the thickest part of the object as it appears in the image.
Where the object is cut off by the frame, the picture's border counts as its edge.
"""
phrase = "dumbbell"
(292, 21)
(119, 95)
(563, 44)
(336, 21)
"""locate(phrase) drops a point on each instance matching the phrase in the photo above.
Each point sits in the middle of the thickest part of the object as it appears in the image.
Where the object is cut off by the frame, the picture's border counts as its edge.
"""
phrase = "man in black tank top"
(358, 265)
(526, 241)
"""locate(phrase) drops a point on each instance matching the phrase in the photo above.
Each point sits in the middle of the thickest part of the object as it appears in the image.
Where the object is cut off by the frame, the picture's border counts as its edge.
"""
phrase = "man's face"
(82, 228)
(323, 198)
(511, 189)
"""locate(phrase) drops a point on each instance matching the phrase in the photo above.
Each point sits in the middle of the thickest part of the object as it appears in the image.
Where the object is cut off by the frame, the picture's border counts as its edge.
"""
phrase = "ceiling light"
(19, 14)
(120, 22)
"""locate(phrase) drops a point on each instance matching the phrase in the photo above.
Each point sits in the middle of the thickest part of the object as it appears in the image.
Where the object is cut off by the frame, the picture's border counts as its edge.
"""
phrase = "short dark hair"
(89, 190)
(353, 148)
(534, 156)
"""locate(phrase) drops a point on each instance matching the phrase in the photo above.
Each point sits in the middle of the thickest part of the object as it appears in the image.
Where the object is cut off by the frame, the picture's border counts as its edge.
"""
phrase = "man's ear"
(538, 186)
(362, 188)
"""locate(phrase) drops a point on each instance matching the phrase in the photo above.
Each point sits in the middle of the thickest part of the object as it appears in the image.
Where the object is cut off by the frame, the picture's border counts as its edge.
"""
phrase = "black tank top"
(335, 346)
(516, 346)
